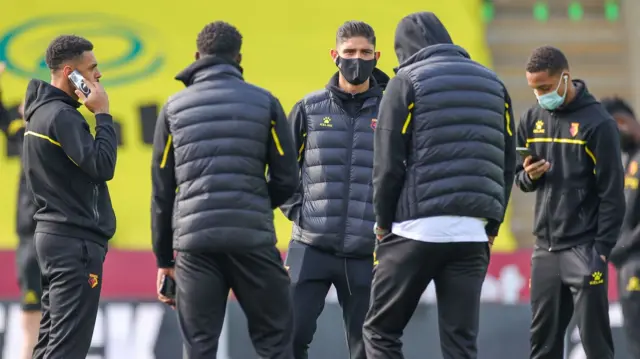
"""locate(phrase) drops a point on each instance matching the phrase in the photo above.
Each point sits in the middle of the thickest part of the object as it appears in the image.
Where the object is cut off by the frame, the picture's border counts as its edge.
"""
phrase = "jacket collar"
(208, 67)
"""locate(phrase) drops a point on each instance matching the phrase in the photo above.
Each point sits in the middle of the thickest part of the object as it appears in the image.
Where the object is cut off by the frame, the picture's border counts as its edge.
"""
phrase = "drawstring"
(346, 274)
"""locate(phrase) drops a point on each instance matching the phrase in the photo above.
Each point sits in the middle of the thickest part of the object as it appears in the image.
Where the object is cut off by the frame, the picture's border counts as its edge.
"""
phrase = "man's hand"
(2, 68)
(537, 169)
(491, 239)
(604, 259)
(380, 232)
(98, 101)
(21, 110)
(170, 272)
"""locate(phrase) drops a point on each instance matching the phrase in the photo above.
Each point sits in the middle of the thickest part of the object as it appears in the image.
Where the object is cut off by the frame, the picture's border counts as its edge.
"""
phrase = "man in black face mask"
(626, 254)
(332, 211)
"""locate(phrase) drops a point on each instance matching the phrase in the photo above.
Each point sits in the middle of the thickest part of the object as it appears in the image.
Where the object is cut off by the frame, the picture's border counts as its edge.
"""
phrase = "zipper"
(349, 157)
(546, 206)
(348, 186)
(96, 192)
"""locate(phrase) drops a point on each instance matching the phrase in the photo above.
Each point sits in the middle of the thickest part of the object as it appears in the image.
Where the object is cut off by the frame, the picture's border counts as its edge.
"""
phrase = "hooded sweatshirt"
(581, 198)
(66, 168)
(628, 246)
(444, 143)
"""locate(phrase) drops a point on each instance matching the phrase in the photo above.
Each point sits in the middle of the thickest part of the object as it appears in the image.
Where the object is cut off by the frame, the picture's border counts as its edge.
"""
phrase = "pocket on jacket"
(569, 204)
(569, 214)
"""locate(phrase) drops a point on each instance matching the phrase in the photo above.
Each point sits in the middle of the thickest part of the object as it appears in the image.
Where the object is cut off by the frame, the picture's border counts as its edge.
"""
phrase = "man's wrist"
(379, 231)
(164, 263)
(102, 113)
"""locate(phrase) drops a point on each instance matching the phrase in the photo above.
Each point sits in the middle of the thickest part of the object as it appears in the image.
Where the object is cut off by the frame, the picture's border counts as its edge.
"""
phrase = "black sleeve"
(4, 116)
(523, 181)
(391, 137)
(96, 157)
(493, 226)
(604, 145)
(283, 174)
(163, 192)
(298, 125)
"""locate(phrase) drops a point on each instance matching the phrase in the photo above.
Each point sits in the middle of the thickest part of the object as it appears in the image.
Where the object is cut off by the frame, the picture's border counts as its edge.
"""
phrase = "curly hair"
(547, 58)
(65, 48)
(219, 38)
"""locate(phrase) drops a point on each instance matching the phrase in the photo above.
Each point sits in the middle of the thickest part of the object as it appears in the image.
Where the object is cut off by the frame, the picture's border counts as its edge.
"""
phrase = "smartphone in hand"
(79, 82)
(168, 287)
(525, 152)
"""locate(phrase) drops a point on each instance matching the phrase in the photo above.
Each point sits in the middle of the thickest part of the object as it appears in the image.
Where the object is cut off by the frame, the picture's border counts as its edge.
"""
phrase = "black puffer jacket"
(333, 210)
(444, 143)
(212, 144)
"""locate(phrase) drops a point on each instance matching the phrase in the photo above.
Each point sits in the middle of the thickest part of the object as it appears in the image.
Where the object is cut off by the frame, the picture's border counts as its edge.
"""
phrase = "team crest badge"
(374, 123)
(574, 129)
(93, 280)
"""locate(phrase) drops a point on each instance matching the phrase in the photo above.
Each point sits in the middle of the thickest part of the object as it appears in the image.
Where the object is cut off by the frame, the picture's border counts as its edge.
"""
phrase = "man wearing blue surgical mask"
(575, 168)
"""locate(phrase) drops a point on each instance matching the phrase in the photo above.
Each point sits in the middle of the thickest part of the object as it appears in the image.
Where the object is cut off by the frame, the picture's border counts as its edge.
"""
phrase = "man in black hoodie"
(66, 169)
(212, 203)
(626, 254)
(444, 162)
(576, 171)
(27, 261)
(26, 258)
(332, 210)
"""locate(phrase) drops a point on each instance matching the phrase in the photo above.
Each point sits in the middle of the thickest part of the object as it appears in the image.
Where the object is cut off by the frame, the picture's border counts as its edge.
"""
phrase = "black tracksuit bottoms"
(312, 273)
(260, 284)
(405, 269)
(71, 271)
(564, 283)
(629, 289)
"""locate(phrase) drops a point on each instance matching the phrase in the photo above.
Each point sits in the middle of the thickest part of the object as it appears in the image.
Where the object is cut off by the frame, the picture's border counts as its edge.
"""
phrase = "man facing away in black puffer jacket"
(212, 144)
(444, 162)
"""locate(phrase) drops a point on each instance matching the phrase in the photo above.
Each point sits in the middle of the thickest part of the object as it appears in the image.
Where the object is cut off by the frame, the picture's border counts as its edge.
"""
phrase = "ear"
(377, 54)
(197, 55)
(334, 55)
(66, 71)
(239, 59)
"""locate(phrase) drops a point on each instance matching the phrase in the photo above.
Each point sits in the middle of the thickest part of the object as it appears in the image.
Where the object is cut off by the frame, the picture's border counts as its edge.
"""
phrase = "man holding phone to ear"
(67, 169)
(580, 206)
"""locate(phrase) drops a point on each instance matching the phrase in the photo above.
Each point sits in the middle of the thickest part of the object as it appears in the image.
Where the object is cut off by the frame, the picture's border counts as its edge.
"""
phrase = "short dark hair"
(616, 104)
(219, 38)
(64, 48)
(547, 58)
(354, 28)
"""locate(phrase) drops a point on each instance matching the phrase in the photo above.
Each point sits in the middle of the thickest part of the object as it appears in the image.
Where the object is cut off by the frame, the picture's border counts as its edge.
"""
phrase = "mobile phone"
(168, 287)
(525, 152)
(79, 82)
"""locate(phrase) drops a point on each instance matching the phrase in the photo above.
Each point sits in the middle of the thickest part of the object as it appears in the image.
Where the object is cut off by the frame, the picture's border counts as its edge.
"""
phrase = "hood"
(583, 98)
(374, 89)
(380, 77)
(417, 31)
(40, 93)
(202, 69)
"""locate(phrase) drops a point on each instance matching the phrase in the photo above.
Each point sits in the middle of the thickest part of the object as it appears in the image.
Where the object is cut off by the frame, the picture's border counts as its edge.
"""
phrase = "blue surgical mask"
(553, 100)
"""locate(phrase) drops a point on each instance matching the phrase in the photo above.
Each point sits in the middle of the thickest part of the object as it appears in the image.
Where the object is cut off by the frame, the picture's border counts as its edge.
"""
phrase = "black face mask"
(627, 142)
(355, 71)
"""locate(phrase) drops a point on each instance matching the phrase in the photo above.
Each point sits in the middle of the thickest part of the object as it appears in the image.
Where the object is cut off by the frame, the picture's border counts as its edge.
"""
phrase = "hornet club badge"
(374, 123)
(575, 126)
